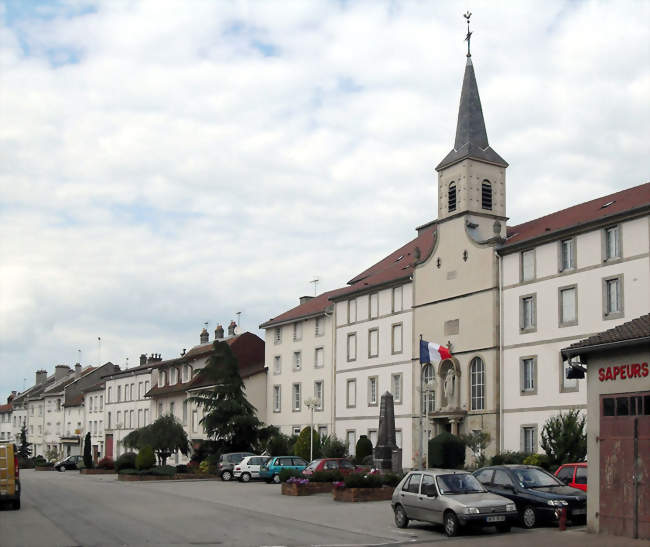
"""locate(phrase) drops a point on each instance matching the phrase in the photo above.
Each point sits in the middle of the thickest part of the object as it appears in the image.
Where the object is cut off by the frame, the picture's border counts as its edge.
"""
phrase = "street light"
(311, 404)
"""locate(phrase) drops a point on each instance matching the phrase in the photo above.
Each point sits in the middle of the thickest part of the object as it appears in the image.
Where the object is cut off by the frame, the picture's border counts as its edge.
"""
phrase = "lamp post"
(425, 389)
(311, 404)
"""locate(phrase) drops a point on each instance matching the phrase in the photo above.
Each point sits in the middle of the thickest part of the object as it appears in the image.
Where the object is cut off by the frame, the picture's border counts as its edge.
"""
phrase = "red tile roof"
(589, 211)
(314, 306)
(5, 408)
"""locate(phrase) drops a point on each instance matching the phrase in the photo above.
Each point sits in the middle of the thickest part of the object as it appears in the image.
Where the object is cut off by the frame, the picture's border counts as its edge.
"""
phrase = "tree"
(303, 444)
(277, 445)
(332, 447)
(477, 442)
(145, 458)
(564, 438)
(88, 457)
(52, 454)
(165, 436)
(228, 415)
(23, 450)
(447, 451)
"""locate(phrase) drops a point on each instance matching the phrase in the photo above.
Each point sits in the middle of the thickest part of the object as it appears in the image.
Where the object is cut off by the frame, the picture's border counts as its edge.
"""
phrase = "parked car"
(66, 464)
(227, 462)
(330, 464)
(270, 471)
(452, 498)
(539, 496)
(9, 475)
(573, 474)
(249, 468)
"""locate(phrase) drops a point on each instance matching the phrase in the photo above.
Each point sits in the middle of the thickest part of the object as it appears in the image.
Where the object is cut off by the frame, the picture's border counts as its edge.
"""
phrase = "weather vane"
(469, 32)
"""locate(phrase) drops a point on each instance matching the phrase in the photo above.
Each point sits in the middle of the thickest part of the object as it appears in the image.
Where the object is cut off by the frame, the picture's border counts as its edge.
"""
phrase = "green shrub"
(204, 467)
(391, 479)
(359, 480)
(288, 473)
(508, 457)
(363, 449)
(540, 460)
(303, 444)
(145, 458)
(447, 451)
(326, 476)
(126, 461)
(564, 438)
(128, 471)
(163, 470)
(182, 469)
(278, 445)
(87, 456)
(332, 447)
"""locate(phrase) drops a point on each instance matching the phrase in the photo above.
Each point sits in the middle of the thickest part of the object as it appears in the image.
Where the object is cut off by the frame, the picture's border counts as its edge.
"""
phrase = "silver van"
(452, 498)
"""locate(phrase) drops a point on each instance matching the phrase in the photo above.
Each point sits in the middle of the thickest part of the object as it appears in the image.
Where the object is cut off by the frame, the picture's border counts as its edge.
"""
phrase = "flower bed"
(43, 468)
(95, 471)
(130, 478)
(303, 487)
(362, 494)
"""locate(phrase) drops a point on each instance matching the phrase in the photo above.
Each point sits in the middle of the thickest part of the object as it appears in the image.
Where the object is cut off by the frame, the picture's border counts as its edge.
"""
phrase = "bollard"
(562, 520)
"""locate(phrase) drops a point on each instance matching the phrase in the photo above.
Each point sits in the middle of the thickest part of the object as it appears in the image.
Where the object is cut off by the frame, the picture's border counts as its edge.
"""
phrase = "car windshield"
(458, 483)
(314, 464)
(536, 478)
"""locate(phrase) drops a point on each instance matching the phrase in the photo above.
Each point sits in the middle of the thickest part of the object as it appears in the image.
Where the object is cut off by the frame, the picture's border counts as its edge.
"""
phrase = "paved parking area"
(68, 509)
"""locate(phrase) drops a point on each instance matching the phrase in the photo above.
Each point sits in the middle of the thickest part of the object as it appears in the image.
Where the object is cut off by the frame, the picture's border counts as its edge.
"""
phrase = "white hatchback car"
(249, 468)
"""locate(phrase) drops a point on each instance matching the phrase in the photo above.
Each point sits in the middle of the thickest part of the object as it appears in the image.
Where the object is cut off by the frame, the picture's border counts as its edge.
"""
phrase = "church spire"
(471, 135)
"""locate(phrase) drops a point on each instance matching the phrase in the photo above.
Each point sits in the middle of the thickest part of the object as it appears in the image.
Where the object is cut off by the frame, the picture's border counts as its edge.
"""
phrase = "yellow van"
(9, 475)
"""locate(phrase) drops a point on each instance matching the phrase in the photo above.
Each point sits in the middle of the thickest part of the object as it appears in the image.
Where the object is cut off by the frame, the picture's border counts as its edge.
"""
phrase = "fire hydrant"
(562, 520)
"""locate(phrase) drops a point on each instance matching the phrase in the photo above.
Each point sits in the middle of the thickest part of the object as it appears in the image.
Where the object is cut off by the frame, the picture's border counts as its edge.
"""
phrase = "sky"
(166, 164)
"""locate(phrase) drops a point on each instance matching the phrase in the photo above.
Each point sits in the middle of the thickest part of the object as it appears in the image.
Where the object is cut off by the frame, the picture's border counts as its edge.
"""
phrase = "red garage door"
(625, 464)
(109, 446)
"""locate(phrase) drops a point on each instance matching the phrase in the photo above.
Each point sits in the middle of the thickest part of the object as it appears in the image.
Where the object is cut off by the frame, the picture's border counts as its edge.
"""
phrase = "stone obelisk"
(386, 454)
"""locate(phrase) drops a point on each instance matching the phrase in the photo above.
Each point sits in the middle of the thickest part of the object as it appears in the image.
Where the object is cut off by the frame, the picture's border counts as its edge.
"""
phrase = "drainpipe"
(501, 388)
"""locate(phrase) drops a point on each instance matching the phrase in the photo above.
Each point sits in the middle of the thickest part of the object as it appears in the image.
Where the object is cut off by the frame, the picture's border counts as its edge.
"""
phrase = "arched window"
(452, 197)
(477, 379)
(429, 396)
(486, 195)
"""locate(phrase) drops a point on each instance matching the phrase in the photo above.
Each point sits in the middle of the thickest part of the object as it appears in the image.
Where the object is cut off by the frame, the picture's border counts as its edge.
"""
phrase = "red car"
(573, 474)
(329, 464)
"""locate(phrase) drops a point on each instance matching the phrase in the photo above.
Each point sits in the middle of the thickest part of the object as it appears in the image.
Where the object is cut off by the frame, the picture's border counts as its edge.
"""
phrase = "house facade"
(6, 420)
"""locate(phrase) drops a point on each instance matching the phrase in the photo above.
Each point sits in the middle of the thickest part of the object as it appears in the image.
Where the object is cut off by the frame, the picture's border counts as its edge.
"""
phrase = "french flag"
(432, 353)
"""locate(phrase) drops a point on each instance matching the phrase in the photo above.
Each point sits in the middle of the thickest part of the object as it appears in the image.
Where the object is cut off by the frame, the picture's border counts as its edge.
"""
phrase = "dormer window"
(452, 197)
(486, 195)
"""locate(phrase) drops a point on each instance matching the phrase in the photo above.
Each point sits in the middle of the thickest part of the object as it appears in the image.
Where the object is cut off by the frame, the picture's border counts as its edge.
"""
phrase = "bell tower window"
(486, 195)
(452, 197)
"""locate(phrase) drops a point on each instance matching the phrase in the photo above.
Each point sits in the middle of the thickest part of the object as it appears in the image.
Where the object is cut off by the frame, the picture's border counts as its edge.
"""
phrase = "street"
(68, 509)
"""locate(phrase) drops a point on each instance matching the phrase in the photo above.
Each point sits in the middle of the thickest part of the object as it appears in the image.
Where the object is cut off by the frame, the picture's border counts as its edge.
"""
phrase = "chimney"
(205, 337)
(154, 358)
(11, 397)
(231, 328)
(304, 299)
(218, 332)
(61, 371)
(143, 359)
(77, 369)
(41, 375)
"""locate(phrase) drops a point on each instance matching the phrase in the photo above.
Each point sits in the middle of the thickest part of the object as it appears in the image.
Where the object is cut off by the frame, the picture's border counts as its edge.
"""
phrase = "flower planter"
(134, 478)
(43, 468)
(295, 489)
(176, 477)
(195, 477)
(97, 471)
(362, 494)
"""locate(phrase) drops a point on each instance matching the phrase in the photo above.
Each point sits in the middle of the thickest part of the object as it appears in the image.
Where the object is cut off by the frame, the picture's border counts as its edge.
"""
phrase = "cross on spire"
(469, 32)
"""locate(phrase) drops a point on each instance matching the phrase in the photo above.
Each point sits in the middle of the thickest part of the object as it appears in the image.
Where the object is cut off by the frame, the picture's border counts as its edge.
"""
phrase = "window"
(351, 393)
(173, 376)
(297, 360)
(118, 421)
(171, 408)
(318, 326)
(486, 195)
(451, 202)
(318, 394)
(398, 438)
(527, 265)
(372, 391)
(396, 387)
(277, 365)
(297, 331)
(374, 305)
(90, 403)
(296, 397)
(278, 335)
(140, 417)
(397, 299)
(322, 431)
(612, 243)
(351, 439)
(529, 439)
(566, 384)
(567, 254)
(133, 391)
(373, 342)
(119, 393)
(372, 435)
(160, 409)
(195, 421)
(319, 358)
(146, 386)
(613, 297)
(568, 300)
(528, 366)
(109, 420)
(581, 475)
(477, 381)
(429, 398)
(139, 390)
(501, 478)
(528, 313)
(352, 310)
(396, 340)
(412, 485)
(126, 418)
(566, 474)
(277, 398)
(58, 405)
(146, 417)
(296, 431)
(352, 346)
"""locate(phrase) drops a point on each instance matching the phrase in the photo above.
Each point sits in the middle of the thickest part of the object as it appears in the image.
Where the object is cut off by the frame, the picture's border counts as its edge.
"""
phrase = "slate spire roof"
(471, 135)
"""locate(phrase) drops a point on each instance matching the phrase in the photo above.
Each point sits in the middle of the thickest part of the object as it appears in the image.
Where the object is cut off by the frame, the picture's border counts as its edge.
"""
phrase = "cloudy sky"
(164, 164)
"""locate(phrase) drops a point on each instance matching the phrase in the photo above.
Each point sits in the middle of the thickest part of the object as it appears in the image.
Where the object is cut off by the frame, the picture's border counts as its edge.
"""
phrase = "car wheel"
(245, 477)
(451, 524)
(17, 504)
(401, 520)
(276, 479)
(528, 517)
(62, 468)
(503, 528)
(226, 476)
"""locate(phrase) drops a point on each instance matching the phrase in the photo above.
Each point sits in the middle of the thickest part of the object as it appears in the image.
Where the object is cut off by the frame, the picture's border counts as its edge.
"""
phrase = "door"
(624, 464)
(109, 446)
(408, 496)
(502, 484)
(430, 508)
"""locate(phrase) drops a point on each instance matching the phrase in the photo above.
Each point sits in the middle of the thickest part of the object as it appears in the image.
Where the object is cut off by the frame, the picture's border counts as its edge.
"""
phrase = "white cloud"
(164, 164)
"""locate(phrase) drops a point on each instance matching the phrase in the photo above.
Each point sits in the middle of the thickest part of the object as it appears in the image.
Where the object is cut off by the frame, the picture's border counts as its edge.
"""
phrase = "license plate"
(500, 518)
(579, 512)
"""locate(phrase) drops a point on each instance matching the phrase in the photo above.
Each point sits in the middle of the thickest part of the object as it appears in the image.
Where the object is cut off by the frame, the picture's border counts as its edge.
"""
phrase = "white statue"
(450, 386)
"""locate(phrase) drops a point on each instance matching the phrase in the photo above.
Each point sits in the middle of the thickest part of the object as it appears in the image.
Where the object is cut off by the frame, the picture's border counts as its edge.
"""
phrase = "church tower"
(472, 176)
